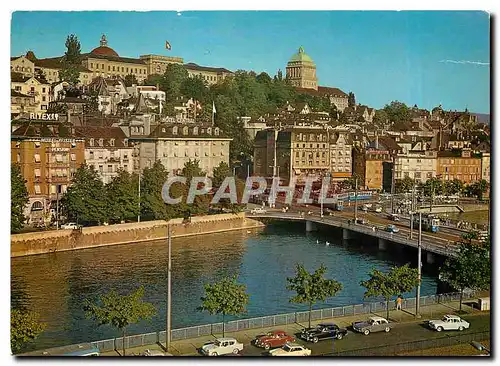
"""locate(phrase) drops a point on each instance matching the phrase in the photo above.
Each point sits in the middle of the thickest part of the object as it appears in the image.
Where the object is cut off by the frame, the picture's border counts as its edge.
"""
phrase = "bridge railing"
(272, 320)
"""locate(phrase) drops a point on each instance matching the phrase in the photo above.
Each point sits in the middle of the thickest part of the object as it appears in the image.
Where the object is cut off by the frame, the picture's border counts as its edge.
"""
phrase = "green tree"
(380, 118)
(83, 201)
(18, 198)
(122, 197)
(172, 81)
(397, 112)
(152, 205)
(130, 80)
(194, 88)
(433, 187)
(351, 99)
(220, 173)
(119, 311)
(312, 287)
(226, 297)
(71, 62)
(264, 78)
(481, 188)
(201, 203)
(471, 268)
(453, 187)
(24, 327)
(404, 185)
(393, 283)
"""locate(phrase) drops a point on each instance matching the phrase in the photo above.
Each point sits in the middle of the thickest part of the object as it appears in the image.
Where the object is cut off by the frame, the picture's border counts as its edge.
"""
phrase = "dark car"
(323, 331)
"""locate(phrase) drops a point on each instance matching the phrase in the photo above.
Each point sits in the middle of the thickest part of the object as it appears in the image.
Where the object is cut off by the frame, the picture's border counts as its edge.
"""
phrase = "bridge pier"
(430, 257)
(382, 244)
(346, 234)
(311, 226)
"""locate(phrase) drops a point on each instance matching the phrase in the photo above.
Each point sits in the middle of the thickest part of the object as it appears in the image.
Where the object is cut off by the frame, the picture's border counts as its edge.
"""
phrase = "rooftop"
(301, 56)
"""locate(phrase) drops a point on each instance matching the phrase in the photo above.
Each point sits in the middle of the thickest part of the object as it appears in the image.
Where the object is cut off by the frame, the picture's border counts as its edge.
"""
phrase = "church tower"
(301, 71)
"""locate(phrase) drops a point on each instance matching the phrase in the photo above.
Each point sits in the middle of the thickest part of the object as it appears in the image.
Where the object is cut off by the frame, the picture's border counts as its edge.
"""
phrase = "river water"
(55, 285)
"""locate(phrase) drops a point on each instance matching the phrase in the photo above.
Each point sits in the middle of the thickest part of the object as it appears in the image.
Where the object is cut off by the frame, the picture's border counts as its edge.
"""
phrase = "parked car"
(392, 228)
(154, 352)
(449, 322)
(373, 324)
(378, 209)
(362, 221)
(291, 349)
(71, 225)
(323, 331)
(258, 210)
(276, 338)
(222, 346)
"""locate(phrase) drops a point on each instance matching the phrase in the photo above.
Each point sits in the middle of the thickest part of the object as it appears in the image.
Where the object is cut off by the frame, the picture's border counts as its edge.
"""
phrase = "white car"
(291, 349)
(70, 225)
(258, 210)
(222, 346)
(378, 209)
(449, 322)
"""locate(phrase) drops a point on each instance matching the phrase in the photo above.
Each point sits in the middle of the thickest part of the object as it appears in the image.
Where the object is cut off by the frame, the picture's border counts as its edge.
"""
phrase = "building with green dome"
(301, 71)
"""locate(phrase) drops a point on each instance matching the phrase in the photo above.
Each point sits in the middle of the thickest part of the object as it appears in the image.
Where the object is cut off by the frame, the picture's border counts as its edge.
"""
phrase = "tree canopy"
(226, 297)
(392, 283)
(70, 70)
(18, 198)
(24, 327)
(122, 197)
(312, 287)
(119, 311)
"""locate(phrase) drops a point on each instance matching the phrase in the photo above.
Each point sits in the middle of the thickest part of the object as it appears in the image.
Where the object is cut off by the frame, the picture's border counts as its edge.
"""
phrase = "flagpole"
(213, 113)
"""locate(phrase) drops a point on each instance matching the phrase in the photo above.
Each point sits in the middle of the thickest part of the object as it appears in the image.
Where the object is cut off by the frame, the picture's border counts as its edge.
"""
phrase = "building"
(302, 152)
(301, 71)
(158, 64)
(21, 104)
(174, 144)
(32, 86)
(419, 165)
(485, 166)
(48, 154)
(368, 165)
(22, 65)
(252, 126)
(211, 75)
(107, 149)
(461, 165)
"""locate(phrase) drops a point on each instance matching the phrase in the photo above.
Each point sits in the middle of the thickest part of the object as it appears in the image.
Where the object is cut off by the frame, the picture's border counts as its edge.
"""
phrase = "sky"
(423, 58)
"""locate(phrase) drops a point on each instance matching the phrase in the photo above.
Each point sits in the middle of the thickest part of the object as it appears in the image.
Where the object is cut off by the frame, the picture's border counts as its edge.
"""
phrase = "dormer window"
(209, 130)
(195, 130)
(101, 142)
(111, 142)
(163, 130)
(174, 130)
(216, 131)
(91, 142)
(125, 142)
(185, 130)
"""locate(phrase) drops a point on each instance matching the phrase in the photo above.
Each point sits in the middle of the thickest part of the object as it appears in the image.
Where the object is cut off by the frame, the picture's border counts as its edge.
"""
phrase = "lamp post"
(356, 200)
(58, 186)
(392, 183)
(169, 290)
(419, 264)
(139, 195)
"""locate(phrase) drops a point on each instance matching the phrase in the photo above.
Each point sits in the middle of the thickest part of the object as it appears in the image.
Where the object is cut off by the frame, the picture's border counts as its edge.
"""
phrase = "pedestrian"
(399, 301)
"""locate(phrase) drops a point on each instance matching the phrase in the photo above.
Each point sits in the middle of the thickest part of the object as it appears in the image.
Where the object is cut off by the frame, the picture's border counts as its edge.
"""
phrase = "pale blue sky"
(380, 56)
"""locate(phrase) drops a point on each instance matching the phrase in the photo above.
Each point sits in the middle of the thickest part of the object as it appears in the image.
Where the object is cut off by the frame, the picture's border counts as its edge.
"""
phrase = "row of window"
(464, 169)
(117, 68)
(196, 153)
(110, 168)
(55, 158)
(185, 130)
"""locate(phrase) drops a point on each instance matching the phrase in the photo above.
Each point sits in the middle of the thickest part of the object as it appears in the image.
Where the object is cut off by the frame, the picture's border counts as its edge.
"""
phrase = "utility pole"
(412, 210)
(419, 264)
(169, 290)
(392, 183)
(139, 186)
(356, 200)
(432, 195)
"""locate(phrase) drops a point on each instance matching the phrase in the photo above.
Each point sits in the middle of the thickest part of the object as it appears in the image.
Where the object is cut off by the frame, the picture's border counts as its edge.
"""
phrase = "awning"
(297, 171)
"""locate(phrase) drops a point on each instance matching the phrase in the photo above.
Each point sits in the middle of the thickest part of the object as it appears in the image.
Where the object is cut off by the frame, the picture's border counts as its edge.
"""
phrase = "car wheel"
(339, 336)
(387, 329)
(366, 332)
(213, 354)
(460, 328)
(235, 351)
(267, 346)
(315, 340)
(439, 329)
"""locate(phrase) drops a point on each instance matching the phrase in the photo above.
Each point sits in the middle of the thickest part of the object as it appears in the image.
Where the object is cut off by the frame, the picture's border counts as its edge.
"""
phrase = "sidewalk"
(188, 347)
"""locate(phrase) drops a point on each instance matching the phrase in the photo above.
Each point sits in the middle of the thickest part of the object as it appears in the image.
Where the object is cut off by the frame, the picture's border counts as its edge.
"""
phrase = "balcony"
(113, 160)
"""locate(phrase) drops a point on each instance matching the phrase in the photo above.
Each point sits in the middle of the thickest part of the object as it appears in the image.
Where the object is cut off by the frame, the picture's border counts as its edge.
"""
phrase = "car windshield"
(217, 343)
(445, 319)
(287, 348)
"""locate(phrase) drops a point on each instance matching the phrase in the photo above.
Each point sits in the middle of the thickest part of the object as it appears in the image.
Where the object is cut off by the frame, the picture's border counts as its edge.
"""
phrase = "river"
(55, 285)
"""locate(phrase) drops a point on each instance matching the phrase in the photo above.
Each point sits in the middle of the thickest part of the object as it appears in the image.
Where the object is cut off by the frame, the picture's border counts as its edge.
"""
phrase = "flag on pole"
(168, 46)
(213, 108)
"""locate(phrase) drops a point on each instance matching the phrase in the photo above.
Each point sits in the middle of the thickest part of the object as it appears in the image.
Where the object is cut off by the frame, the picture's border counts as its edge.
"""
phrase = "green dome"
(301, 56)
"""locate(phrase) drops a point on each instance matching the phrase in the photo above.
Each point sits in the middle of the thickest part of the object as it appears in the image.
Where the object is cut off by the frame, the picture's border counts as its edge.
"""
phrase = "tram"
(429, 222)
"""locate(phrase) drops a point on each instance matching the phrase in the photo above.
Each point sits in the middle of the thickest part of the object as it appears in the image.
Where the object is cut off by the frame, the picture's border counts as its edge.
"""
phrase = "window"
(37, 172)
(102, 66)
(91, 142)
(110, 168)
(59, 158)
(73, 157)
(37, 189)
(125, 167)
(136, 71)
(109, 68)
(101, 168)
(111, 142)
(113, 68)
(101, 142)
(174, 130)
(91, 65)
(122, 69)
(37, 158)
(185, 130)
(43, 98)
(37, 144)
(18, 157)
(91, 153)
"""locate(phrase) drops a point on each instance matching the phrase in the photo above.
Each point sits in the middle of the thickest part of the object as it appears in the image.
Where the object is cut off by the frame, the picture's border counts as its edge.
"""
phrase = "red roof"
(105, 51)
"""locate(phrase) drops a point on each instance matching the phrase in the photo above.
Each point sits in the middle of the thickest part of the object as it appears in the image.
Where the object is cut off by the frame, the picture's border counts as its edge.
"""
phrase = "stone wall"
(90, 237)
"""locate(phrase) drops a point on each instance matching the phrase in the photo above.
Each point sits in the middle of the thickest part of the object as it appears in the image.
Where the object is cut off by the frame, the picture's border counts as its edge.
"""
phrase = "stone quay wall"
(96, 236)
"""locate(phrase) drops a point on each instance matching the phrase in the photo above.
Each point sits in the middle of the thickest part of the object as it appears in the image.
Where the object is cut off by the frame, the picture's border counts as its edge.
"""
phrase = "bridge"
(431, 243)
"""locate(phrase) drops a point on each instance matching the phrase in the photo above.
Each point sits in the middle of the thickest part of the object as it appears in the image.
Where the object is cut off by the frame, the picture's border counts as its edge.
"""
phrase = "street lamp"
(356, 200)
(419, 265)
(169, 290)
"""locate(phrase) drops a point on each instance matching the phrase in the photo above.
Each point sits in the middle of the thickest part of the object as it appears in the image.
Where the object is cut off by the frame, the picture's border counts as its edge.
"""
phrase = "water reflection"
(55, 285)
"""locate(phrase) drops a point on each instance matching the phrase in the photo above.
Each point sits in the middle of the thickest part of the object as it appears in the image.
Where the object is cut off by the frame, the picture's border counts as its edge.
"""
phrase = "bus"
(429, 222)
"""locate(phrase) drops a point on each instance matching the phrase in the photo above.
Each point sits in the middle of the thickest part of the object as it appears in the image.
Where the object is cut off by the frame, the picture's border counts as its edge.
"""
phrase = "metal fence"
(273, 320)
(399, 348)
